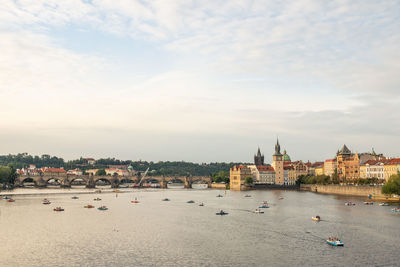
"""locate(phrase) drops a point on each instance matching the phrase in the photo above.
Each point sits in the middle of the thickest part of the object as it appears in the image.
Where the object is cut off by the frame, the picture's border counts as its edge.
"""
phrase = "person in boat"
(221, 211)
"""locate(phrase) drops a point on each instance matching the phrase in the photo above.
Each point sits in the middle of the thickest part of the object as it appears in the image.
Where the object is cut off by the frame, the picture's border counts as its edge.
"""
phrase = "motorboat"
(350, 204)
(6, 197)
(102, 208)
(89, 206)
(10, 200)
(316, 218)
(190, 201)
(46, 201)
(58, 209)
(219, 195)
(97, 199)
(263, 206)
(258, 211)
(74, 197)
(368, 203)
(396, 210)
(221, 212)
(201, 204)
(165, 199)
(384, 204)
(333, 241)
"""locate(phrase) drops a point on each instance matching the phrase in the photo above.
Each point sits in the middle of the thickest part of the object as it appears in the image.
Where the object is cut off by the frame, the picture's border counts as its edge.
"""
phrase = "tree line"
(178, 168)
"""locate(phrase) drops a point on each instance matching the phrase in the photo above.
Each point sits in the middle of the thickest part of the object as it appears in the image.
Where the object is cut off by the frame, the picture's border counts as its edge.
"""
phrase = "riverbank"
(346, 190)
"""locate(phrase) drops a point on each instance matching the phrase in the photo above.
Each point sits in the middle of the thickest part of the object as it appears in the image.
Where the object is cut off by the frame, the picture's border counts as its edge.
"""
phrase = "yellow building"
(277, 164)
(319, 170)
(391, 167)
(238, 175)
(363, 171)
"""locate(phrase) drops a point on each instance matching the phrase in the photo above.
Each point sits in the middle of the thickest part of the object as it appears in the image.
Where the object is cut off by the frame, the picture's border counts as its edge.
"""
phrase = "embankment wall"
(347, 190)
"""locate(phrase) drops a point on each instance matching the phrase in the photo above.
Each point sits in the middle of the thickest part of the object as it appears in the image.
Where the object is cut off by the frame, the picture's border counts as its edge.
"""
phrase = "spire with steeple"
(258, 158)
(277, 148)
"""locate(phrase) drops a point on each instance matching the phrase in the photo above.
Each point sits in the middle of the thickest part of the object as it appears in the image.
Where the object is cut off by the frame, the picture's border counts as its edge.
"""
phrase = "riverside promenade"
(346, 190)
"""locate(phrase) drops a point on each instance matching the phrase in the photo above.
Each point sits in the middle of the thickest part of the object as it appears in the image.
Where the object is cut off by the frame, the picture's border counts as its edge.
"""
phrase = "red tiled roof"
(54, 170)
(330, 160)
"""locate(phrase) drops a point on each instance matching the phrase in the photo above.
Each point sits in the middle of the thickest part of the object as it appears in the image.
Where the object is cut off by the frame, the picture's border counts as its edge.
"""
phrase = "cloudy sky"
(199, 80)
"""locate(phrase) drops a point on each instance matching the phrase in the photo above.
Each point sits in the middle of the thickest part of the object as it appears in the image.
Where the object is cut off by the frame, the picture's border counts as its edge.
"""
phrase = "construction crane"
(144, 176)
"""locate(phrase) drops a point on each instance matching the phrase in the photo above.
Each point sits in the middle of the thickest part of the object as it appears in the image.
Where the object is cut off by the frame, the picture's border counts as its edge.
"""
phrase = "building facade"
(277, 164)
(329, 167)
(348, 166)
(238, 176)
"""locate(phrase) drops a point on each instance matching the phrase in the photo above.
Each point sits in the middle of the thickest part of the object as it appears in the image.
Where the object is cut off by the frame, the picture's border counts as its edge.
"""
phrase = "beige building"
(329, 167)
(392, 167)
(238, 175)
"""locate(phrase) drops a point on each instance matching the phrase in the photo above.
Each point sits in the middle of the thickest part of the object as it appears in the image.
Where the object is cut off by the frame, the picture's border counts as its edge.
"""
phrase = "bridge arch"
(28, 181)
(77, 181)
(103, 182)
(53, 181)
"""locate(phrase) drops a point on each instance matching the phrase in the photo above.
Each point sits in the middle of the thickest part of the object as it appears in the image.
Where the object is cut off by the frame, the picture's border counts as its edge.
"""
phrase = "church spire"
(277, 148)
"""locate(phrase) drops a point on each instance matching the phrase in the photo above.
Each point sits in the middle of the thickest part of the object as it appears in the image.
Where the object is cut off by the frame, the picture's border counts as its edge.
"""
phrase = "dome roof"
(286, 156)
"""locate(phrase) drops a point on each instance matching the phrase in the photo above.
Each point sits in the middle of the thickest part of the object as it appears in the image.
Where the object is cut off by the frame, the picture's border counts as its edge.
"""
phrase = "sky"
(199, 81)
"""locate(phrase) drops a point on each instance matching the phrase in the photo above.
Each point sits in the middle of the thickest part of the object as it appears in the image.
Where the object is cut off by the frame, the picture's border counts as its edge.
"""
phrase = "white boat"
(258, 211)
(335, 242)
(384, 204)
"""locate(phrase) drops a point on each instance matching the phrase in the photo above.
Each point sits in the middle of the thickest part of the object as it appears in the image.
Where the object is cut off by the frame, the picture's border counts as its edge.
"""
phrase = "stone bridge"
(91, 180)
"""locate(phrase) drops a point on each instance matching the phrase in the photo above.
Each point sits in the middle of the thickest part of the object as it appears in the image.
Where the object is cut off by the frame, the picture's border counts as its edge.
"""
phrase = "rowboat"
(219, 195)
(350, 204)
(263, 206)
(368, 203)
(335, 242)
(247, 196)
(46, 201)
(10, 200)
(135, 201)
(165, 199)
(221, 213)
(258, 211)
(74, 197)
(58, 209)
(190, 201)
(89, 206)
(201, 204)
(316, 218)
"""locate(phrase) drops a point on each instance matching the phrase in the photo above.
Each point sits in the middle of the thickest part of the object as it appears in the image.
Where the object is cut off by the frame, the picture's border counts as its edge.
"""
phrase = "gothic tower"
(277, 163)
(258, 158)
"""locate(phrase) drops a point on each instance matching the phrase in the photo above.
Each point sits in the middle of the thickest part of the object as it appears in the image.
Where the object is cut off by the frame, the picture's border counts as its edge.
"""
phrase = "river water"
(175, 233)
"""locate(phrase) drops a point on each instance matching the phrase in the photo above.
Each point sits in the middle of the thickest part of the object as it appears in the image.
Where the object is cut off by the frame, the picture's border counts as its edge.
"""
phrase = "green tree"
(100, 172)
(248, 180)
(392, 186)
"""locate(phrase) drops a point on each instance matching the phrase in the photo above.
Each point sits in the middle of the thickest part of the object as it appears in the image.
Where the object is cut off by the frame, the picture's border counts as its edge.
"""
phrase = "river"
(175, 233)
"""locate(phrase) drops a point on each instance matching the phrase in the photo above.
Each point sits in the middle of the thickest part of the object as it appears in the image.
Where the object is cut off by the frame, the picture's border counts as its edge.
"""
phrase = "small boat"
(10, 200)
(280, 198)
(335, 242)
(74, 197)
(219, 195)
(98, 191)
(6, 197)
(316, 218)
(135, 201)
(221, 212)
(46, 201)
(350, 204)
(368, 203)
(396, 210)
(102, 208)
(190, 201)
(89, 206)
(263, 206)
(58, 209)
(165, 199)
(201, 204)
(258, 211)
(247, 196)
(384, 204)
(97, 199)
